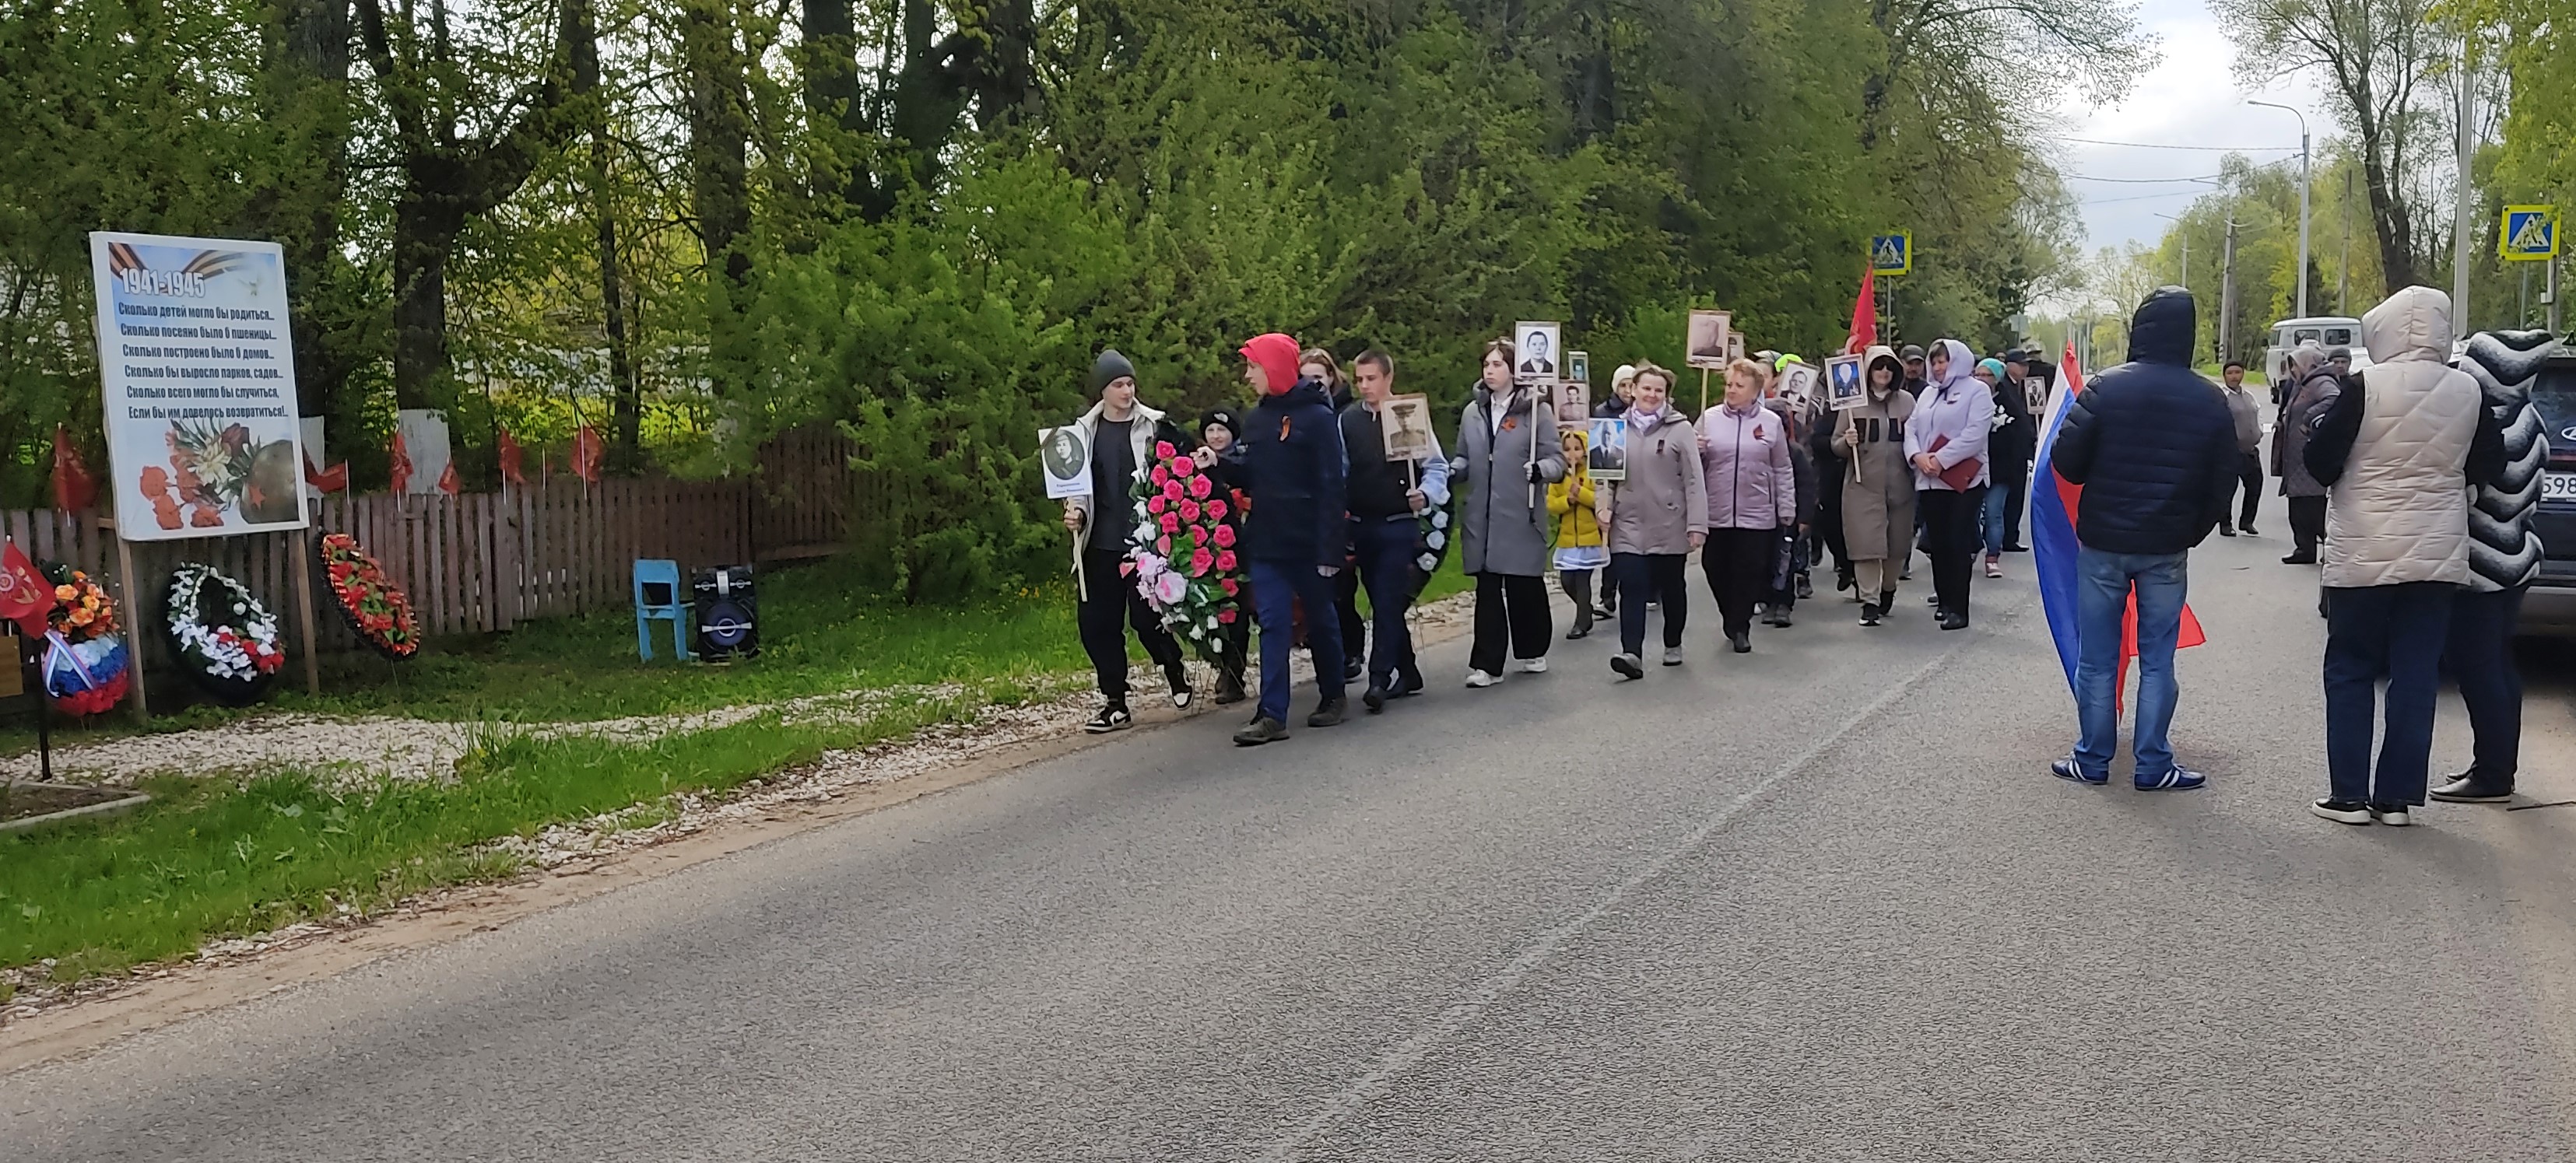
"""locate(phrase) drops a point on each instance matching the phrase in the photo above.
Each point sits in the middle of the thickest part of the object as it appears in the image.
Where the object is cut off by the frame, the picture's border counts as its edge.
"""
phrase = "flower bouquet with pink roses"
(1182, 553)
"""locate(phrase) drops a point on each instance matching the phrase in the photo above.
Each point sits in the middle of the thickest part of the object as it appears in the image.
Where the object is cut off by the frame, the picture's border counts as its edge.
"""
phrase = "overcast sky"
(2191, 96)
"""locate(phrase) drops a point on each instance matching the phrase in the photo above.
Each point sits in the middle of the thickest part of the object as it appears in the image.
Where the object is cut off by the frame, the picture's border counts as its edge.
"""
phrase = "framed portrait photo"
(1538, 352)
(1845, 386)
(1706, 343)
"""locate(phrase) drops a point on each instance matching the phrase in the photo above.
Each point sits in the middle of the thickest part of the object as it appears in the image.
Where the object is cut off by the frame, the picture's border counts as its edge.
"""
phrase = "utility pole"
(2227, 298)
(2303, 201)
(2460, 222)
(2343, 277)
(2550, 297)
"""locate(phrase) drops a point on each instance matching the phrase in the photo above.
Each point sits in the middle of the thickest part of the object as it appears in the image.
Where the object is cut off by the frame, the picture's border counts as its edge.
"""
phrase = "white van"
(2328, 331)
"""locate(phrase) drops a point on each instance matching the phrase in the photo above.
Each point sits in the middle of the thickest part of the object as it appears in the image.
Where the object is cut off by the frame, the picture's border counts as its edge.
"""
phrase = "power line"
(2140, 181)
(2140, 197)
(2154, 145)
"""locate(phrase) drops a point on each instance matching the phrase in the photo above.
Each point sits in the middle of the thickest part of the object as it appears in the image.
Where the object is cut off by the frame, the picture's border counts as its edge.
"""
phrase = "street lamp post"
(2303, 200)
(2185, 228)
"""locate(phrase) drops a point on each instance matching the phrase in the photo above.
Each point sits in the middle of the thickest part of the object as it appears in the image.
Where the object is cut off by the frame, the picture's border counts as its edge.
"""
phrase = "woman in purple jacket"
(1948, 430)
(1752, 497)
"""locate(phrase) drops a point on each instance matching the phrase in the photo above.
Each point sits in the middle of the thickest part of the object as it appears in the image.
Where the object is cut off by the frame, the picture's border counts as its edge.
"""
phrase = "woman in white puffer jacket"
(2395, 453)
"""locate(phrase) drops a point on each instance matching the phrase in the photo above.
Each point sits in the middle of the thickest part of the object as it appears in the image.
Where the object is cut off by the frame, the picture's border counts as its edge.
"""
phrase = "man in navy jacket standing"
(1294, 537)
(2153, 445)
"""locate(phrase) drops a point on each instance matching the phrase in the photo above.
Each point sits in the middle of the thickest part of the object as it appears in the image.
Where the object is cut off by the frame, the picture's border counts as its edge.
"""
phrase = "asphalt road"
(1822, 902)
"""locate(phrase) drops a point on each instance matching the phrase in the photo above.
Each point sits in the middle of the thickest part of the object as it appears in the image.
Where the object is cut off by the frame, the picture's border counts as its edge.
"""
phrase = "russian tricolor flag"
(2053, 505)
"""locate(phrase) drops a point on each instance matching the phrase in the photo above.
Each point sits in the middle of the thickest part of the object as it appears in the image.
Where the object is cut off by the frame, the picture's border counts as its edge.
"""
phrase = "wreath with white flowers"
(225, 638)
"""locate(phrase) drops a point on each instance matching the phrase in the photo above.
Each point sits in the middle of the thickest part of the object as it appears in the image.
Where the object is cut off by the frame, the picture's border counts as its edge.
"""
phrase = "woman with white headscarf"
(2312, 388)
(1946, 442)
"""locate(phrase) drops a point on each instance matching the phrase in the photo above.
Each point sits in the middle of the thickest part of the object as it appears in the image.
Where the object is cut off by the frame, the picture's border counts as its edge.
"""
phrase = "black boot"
(1229, 685)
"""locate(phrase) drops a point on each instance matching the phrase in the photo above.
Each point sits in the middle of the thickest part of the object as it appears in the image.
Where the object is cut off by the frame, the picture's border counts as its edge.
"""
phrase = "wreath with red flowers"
(369, 601)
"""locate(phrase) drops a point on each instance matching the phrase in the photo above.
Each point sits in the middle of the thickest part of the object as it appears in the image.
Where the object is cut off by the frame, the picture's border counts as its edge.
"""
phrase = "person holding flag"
(2149, 451)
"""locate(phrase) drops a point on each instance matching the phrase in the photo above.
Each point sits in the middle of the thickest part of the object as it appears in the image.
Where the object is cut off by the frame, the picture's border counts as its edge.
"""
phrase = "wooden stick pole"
(302, 567)
(1703, 391)
(135, 617)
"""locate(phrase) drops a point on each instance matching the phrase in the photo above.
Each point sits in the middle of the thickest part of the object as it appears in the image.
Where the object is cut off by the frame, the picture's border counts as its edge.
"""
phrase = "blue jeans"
(2103, 583)
(1998, 499)
(2480, 659)
(2397, 632)
(1386, 569)
(1274, 585)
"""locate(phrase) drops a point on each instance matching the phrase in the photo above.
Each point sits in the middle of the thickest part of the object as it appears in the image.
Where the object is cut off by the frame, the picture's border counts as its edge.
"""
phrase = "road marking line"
(1405, 1055)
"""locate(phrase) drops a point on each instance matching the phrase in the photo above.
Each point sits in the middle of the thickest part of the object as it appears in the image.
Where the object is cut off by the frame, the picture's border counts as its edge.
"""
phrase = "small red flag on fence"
(401, 466)
(24, 596)
(333, 480)
(74, 489)
(512, 472)
(587, 453)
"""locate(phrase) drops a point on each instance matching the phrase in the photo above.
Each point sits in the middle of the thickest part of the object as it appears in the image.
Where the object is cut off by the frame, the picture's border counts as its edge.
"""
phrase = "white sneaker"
(1536, 665)
(1479, 678)
(1672, 656)
(2394, 815)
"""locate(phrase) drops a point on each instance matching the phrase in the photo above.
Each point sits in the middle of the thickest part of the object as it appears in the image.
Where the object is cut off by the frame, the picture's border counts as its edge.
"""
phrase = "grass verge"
(214, 858)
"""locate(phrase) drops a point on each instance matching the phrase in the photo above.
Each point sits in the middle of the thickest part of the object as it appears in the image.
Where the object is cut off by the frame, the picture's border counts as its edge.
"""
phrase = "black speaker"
(727, 613)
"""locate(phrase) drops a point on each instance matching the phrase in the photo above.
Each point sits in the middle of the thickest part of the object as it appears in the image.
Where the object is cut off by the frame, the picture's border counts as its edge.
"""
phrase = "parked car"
(2550, 608)
(2329, 332)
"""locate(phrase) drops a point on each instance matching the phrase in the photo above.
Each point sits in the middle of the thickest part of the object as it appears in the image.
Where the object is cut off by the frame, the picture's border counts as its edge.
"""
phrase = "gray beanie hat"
(1109, 366)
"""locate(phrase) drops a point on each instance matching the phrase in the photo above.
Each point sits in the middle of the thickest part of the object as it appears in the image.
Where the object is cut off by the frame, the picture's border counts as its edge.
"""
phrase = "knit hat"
(1993, 367)
(1912, 352)
(1626, 372)
(1219, 418)
(1276, 355)
(1109, 366)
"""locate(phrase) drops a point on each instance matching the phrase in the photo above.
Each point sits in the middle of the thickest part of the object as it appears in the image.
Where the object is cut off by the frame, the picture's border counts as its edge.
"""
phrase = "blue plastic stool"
(658, 596)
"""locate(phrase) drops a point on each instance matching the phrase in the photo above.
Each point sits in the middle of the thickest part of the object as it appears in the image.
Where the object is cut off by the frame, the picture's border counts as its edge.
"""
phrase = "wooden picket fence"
(485, 562)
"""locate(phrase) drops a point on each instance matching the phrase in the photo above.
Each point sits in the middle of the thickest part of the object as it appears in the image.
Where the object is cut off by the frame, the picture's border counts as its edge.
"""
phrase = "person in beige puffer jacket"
(2397, 453)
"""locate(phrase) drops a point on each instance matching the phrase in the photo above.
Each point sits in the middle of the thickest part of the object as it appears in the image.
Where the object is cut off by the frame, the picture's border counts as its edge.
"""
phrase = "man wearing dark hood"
(2154, 447)
(1295, 536)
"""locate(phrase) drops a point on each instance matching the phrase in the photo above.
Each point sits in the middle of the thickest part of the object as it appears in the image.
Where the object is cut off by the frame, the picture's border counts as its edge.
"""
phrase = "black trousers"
(1102, 616)
(1578, 588)
(1346, 601)
(1650, 577)
(1738, 565)
(2479, 656)
(2014, 503)
(1950, 529)
(1827, 529)
(1511, 610)
(2249, 479)
(2307, 523)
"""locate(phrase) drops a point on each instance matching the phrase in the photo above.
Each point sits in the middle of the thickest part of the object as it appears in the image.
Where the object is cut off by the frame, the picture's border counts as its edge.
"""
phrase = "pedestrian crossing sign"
(1892, 254)
(2529, 232)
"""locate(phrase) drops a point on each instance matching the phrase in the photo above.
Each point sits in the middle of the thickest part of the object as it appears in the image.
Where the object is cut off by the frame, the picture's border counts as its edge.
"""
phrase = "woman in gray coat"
(1654, 519)
(1501, 492)
(1878, 486)
(2313, 388)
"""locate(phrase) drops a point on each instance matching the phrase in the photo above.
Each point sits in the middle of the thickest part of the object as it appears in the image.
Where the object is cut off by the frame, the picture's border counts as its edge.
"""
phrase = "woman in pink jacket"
(1752, 498)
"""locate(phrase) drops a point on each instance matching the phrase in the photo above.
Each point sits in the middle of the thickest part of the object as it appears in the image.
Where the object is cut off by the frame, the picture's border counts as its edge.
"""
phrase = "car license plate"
(2558, 486)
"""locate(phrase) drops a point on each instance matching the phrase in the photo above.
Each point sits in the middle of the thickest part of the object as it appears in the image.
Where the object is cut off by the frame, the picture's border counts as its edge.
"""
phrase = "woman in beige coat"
(1878, 486)
(1653, 519)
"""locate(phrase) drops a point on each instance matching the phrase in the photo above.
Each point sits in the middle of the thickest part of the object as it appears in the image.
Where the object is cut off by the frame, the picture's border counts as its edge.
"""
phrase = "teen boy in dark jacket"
(1294, 538)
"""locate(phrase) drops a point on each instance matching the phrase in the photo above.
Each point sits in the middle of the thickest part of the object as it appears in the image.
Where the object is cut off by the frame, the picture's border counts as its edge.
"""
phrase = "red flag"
(1864, 324)
(74, 489)
(334, 480)
(512, 472)
(447, 482)
(401, 466)
(24, 596)
(586, 453)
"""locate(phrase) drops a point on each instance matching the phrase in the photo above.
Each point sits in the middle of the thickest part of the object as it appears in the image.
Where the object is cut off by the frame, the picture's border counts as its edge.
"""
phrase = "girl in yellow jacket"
(1580, 552)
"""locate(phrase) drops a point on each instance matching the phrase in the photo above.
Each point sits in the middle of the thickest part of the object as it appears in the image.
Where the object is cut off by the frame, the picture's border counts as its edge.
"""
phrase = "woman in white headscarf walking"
(1946, 443)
